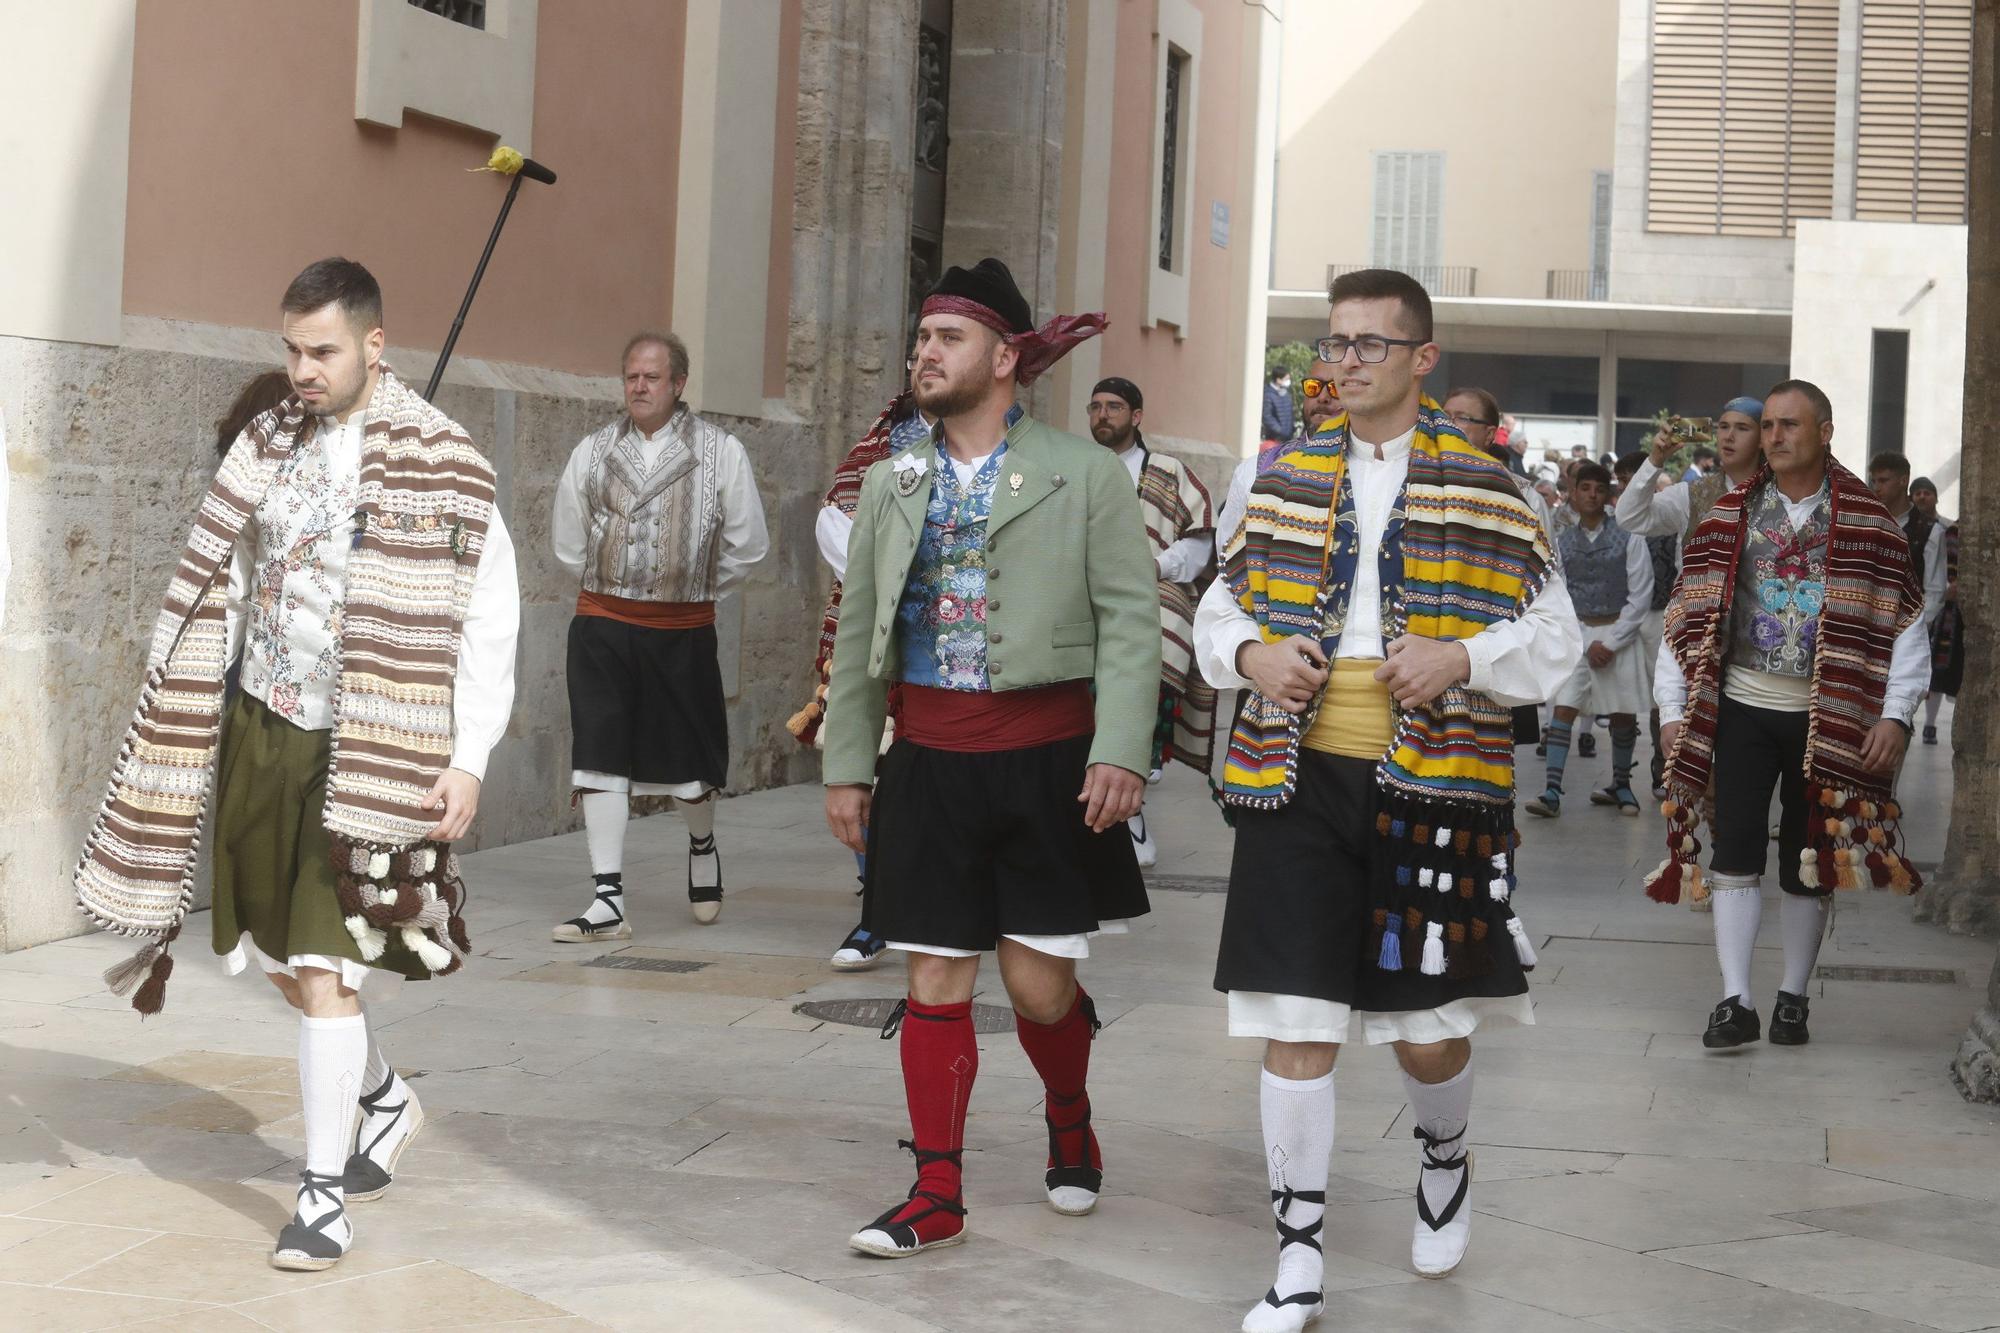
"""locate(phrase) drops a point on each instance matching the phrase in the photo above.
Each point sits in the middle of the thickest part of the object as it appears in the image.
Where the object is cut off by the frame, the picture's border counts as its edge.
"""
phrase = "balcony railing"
(1579, 284)
(1438, 280)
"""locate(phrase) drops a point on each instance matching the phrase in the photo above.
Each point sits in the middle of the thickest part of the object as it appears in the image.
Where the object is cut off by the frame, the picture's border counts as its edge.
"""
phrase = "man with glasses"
(1388, 596)
(1180, 524)
(657, 516)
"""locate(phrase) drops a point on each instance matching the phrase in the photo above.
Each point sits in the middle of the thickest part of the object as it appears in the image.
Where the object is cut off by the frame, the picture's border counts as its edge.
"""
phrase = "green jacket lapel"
(1025, 479)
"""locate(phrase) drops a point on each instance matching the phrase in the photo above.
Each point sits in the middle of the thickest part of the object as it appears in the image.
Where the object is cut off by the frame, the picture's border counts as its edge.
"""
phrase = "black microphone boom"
(534, 171)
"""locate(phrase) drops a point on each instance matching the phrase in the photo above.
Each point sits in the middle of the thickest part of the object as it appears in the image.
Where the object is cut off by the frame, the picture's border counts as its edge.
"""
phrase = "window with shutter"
(1912, 128)
(1408, 204)
(1742, 115)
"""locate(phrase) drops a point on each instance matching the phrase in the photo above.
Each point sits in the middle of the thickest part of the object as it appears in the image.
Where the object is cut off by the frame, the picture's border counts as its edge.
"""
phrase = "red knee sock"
(940, 1060)
(1060, 1053)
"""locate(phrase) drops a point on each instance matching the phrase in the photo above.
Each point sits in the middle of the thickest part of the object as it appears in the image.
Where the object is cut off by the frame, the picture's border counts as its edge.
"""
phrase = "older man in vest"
(657, 515)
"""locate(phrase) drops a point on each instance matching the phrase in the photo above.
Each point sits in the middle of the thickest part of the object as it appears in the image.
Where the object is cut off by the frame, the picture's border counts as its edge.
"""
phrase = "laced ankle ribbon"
(1433, 1161)
(1291, 1235)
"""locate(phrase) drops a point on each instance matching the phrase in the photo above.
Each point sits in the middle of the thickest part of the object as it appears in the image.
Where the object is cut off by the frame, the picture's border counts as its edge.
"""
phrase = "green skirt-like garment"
(273, 856)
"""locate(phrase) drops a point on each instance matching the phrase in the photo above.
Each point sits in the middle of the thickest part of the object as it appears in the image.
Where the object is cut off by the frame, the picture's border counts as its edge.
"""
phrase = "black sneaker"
(1930, 738)
(1732, 1024)
(1788, 1020)
(1586, 745)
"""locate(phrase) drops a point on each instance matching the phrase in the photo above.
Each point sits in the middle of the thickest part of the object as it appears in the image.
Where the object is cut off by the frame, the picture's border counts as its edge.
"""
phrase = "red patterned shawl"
(1871, 597)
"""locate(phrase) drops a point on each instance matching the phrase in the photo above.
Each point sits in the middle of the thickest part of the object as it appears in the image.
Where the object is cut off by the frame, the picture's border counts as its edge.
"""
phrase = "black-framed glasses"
(1369, 349)
(1467, 419)
(1313, 388)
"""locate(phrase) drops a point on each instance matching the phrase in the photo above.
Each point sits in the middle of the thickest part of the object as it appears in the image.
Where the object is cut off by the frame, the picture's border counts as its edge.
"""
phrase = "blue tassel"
(1403, 876)
(1392, 946)
(1397, 828)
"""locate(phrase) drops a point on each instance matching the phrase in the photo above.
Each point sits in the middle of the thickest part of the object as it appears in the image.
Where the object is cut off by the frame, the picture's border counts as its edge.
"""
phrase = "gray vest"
(1595, 571)
(654, 536)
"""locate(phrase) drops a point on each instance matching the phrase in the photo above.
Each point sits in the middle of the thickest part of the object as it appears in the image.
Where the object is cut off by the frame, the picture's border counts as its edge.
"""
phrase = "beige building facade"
(771, 178)
(1775, 187)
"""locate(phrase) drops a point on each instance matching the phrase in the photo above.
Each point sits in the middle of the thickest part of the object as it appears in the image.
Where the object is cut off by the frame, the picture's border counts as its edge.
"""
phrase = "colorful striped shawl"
(427, 495)
(1472, 554)
(1872, 595)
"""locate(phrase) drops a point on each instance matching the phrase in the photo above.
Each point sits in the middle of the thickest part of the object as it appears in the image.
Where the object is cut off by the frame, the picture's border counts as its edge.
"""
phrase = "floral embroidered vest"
(1780, 587)
(941, 620)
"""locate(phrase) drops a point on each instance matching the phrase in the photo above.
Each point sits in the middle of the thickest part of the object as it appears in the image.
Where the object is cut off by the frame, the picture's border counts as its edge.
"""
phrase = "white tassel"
(1522, 948)
(1444, 883)
(371, 940)
(1498, 890)
(1433, 965)
(1443, 837)
(1500, 862)
(435, 956)
(1426, 877)
(378, 866)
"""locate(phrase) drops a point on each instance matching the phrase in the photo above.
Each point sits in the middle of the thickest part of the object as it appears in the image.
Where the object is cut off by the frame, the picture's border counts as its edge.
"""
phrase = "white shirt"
(483, 685)
(1514, 662)
(1934, 571)
(1646, 510)
(1909, 659)
(1183, 561)
(745, 539)
(1234, 503)
(1638, 592)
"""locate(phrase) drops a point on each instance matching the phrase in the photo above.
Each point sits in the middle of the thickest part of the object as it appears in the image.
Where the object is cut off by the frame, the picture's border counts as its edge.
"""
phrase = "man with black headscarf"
(1001, 576)
(1180, 523)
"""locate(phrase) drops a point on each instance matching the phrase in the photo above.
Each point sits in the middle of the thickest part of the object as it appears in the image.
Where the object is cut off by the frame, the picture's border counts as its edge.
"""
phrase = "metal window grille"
(1171, 132)
(472, 13)
(1407, 231)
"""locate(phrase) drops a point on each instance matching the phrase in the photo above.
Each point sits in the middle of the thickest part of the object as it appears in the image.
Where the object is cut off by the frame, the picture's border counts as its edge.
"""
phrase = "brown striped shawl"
(1871, 597)
(426, 494)
(1176, 505)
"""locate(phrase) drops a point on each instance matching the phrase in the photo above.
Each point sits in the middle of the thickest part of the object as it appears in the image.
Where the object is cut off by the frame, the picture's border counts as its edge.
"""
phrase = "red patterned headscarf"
(987, 294)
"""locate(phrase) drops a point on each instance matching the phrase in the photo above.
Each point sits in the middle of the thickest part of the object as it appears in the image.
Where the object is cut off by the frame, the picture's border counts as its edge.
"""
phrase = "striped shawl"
(1872, 595)
(1175, 504)
(426, 497)
(1472, 554)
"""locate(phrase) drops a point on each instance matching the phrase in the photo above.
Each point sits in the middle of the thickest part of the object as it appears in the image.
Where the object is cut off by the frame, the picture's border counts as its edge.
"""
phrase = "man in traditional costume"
(1610, 577)
(1794, 658)
(657, 513)
(1388, 597)
(1889, 479)
(1002, 575)
(349, 547)
(1180, 523)
(1646, 508)
(1665, 553)
(1948, 627)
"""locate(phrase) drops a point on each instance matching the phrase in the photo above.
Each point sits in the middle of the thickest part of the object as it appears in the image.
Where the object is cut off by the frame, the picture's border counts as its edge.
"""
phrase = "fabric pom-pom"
(1497, 890)
(378, 866)
(1444, 884)
(1426, 877)
(1433, 964)
(1523, 949)
(1443, 838)
(152, 996)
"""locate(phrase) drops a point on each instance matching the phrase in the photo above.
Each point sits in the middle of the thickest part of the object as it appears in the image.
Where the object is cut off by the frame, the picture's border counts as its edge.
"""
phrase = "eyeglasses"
(1465, 419)
(1312, 388)
(1369, 349)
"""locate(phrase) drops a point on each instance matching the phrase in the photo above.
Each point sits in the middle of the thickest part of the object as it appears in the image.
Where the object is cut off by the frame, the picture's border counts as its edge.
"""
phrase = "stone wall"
(110, 450)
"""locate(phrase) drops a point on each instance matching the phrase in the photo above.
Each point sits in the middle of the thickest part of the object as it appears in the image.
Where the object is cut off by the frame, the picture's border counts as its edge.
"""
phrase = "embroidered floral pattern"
(942, 616)
(1784, 574)
(303, 527)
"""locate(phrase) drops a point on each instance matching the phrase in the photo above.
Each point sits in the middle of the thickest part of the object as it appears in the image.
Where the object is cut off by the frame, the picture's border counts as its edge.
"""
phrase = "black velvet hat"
(988, 283)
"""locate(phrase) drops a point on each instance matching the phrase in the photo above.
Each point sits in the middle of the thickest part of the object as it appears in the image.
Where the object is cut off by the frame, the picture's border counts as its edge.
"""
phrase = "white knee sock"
(704, 871)
(333, 1052)
(605, 814)
(1298, 1149)
(1802, 922)
(377, 1072)
(1443, 1110)
(1932, 702)
(1739, 906)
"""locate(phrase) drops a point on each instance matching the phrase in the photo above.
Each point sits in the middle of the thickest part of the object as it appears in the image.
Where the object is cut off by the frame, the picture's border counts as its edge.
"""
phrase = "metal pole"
(451, 339)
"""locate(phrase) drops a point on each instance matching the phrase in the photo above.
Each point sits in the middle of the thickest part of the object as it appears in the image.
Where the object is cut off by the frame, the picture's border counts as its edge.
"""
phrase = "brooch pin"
(910, 472)
(1014, 484)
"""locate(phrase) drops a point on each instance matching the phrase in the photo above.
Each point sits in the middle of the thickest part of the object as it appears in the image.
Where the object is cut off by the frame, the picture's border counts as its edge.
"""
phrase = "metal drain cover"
(1929, 976)
(1188, 884)
(630, 963)
(986, 1018)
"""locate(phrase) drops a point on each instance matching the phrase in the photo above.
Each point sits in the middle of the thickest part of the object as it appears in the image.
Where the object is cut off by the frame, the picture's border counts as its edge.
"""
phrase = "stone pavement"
(627, 1148)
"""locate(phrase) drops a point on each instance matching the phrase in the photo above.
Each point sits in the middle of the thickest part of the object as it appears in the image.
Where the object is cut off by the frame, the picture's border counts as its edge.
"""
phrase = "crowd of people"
(1025, 628)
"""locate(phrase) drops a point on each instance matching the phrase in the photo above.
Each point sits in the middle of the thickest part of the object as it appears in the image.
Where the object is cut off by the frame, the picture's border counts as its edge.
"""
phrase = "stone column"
(1966, 892)
(1003, 188)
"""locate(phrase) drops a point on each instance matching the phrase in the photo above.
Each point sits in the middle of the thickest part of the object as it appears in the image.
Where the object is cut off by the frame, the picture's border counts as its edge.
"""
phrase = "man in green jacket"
(1002, 575)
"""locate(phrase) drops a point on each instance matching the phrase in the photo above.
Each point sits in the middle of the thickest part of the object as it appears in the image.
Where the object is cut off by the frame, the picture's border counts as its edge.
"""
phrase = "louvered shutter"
(1911, 131)
(1408, 211)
